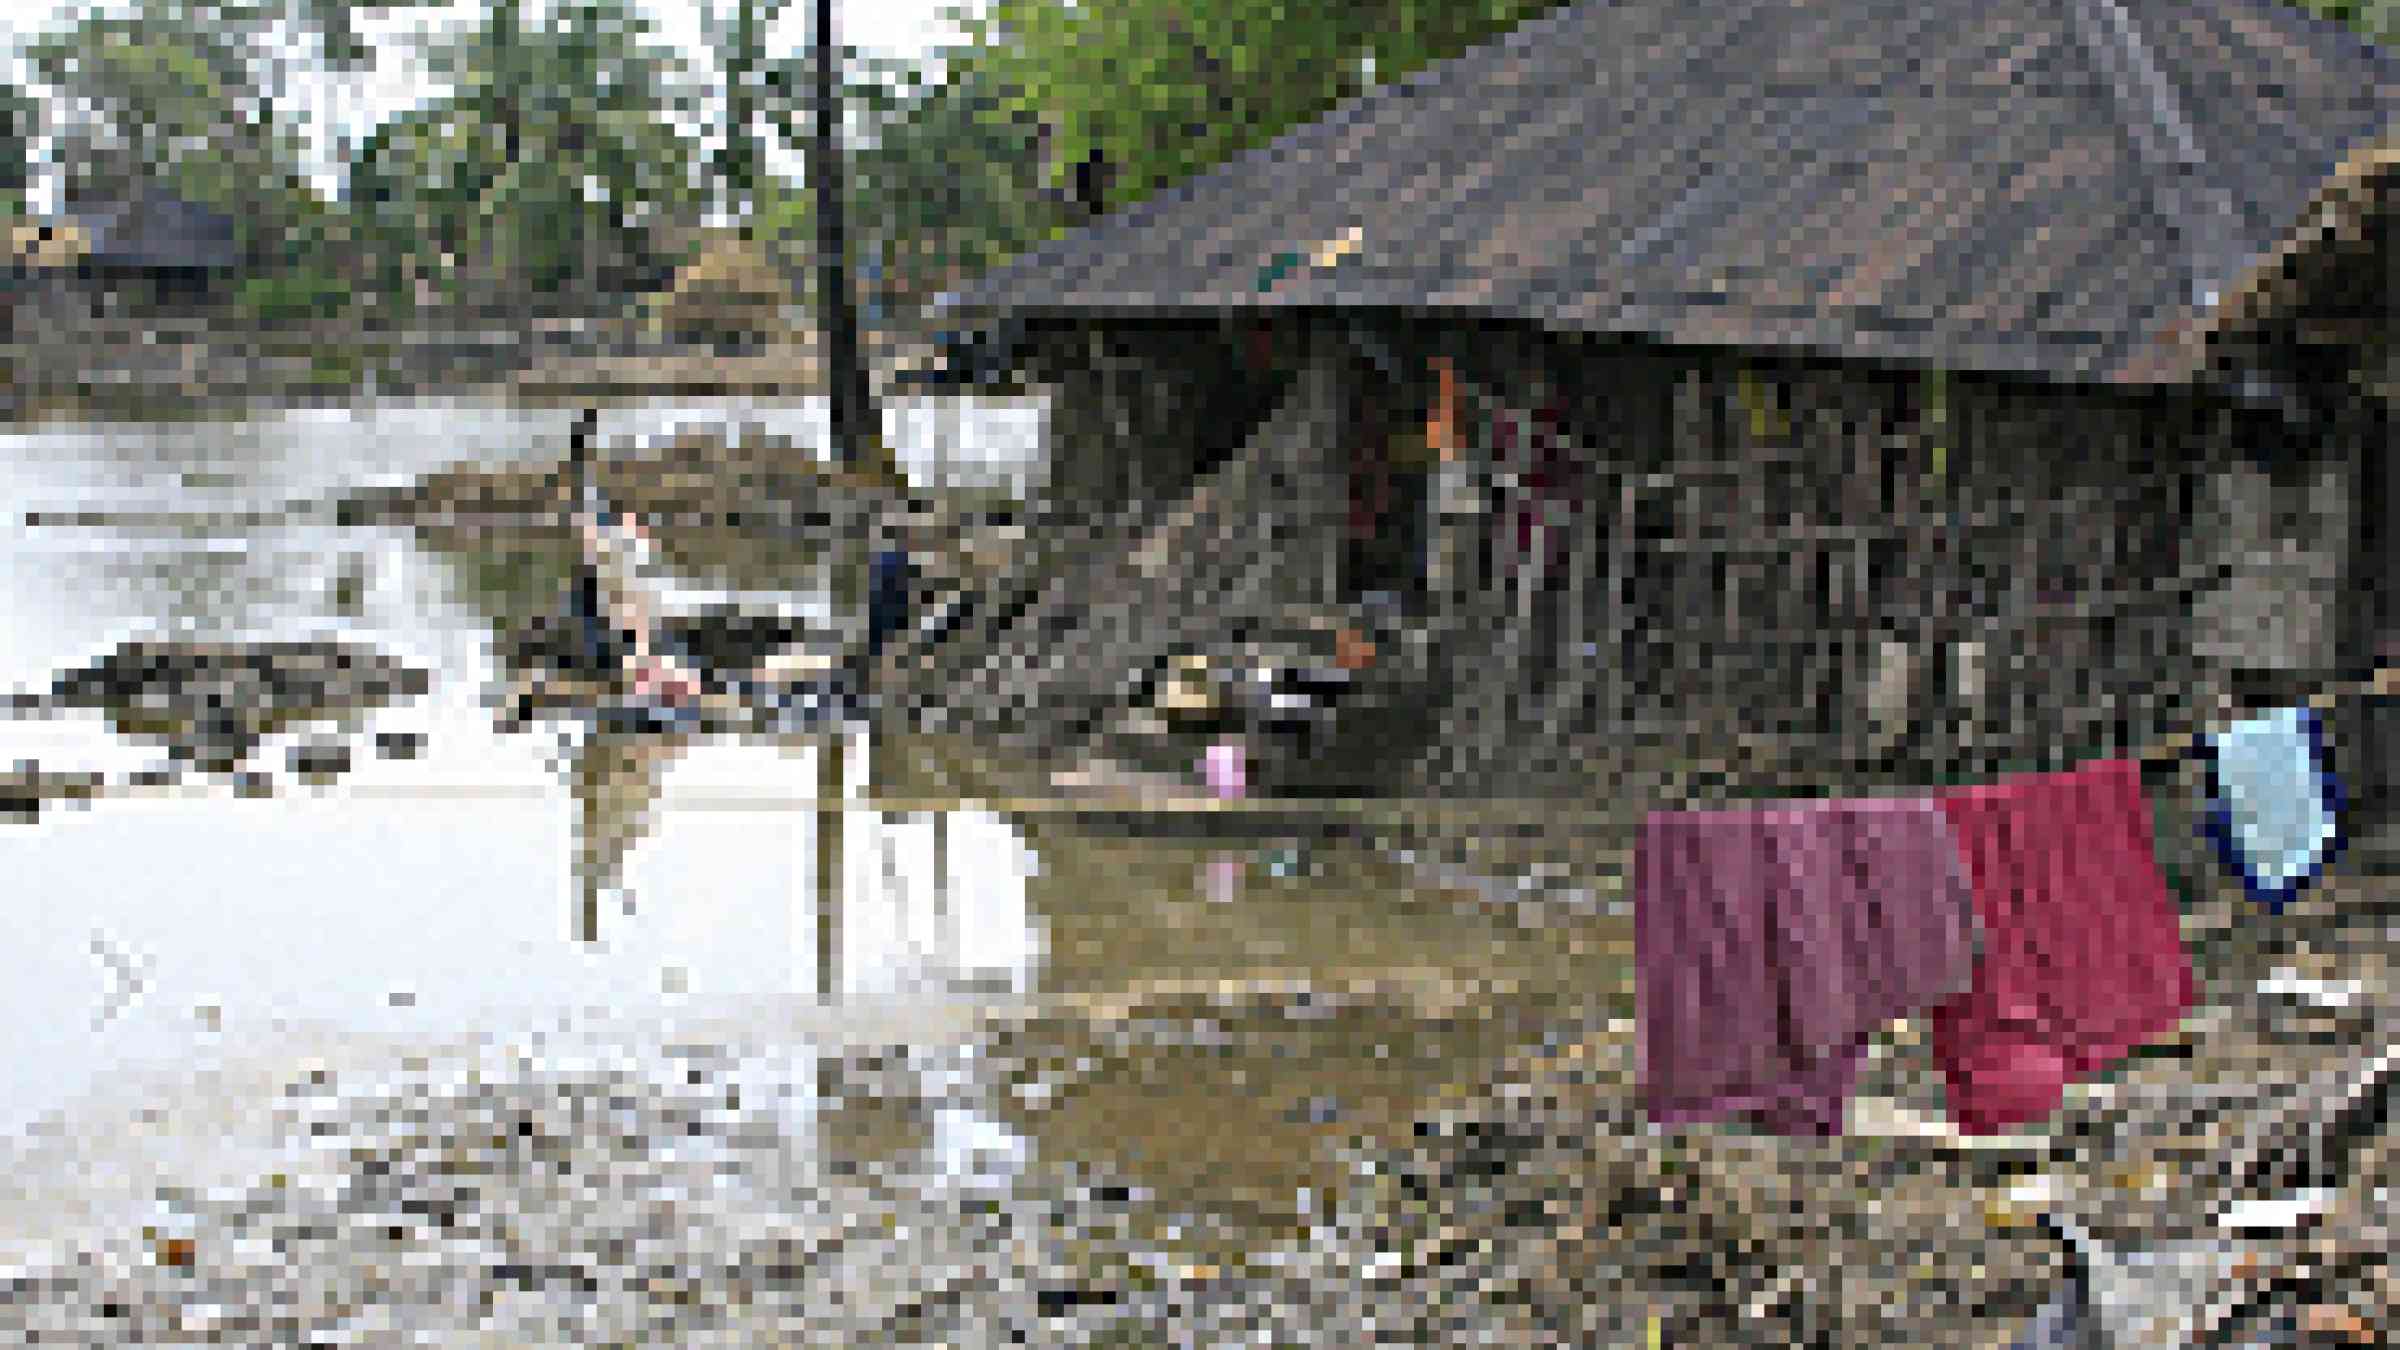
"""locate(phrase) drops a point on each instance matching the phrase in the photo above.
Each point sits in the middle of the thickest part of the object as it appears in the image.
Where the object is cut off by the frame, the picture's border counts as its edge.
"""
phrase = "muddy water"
(1210, 1020)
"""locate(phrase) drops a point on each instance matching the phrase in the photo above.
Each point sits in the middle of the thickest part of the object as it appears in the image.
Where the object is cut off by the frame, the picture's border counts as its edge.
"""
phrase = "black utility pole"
(852, 412)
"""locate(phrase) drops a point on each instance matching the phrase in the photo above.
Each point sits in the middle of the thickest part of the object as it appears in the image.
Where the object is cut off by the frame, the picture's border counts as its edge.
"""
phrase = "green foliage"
(340, 369)
(169, 96)
(181, 95)
(737, 31)
(943, 176)
(1158, 90)
(292, 295)
(951, 184)
(556, 163)
(2378, 19)
(1153, 91)
(18, 118)
(553, 164)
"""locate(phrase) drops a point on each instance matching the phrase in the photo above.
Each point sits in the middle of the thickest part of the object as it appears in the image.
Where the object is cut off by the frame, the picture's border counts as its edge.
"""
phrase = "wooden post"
(584, 858)
(1319, 498)
(2374, 612)
(1530, 556)
(829, 817)
(2017, 708)
(1445, 579)
(850, 403)
(945, 910)
(1575, 675)
(1694, 456)
(1621, 560)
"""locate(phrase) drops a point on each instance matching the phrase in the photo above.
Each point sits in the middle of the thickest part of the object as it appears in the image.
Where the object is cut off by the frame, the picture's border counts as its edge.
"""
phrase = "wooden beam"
(828, 890)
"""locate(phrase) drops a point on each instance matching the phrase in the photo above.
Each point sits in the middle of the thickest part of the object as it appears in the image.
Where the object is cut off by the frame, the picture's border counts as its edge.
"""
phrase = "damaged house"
(1823, 390)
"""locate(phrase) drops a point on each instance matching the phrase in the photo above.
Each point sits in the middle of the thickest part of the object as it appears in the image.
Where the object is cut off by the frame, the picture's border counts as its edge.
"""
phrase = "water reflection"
(1212, 1020)
(439, 888)
(1223, 1018)
(934, 902)
(615, 780)
(694, 831)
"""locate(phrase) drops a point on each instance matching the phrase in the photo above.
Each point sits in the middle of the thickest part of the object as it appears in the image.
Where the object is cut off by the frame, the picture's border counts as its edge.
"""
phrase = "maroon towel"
(2082, 956)
(1769, 943)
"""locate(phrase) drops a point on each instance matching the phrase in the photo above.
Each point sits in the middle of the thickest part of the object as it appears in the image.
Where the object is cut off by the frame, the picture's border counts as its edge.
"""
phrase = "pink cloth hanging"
(2082, 955)
(1770, 943)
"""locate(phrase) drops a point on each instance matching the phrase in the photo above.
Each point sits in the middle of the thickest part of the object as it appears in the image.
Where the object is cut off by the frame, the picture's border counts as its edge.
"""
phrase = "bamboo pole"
(1620, 586)
(947, 944)
(828, 889)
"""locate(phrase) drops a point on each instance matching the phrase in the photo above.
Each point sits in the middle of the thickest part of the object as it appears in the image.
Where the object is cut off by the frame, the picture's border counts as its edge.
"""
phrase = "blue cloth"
(642, 717)
(2274, 808)
(887, 596)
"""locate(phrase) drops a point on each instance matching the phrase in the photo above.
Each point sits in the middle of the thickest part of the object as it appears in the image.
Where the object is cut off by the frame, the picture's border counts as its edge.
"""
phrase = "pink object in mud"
(1226, 767)
(1221, 878)
(2082, 956)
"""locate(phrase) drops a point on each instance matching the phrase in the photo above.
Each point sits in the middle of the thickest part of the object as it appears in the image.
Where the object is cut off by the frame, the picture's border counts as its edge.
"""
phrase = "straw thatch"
(731, 291)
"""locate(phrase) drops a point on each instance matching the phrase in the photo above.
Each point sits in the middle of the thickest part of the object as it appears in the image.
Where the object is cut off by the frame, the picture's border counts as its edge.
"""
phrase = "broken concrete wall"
(1252, 538)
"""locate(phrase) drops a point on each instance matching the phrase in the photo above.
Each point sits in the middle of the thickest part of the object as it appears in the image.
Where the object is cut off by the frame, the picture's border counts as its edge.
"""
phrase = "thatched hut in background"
(157, 249)
(732, 294)
(1827, 400)
(150, 254)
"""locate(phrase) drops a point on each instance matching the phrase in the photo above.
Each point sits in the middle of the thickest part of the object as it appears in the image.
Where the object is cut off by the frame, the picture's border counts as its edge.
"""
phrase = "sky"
(349, 104)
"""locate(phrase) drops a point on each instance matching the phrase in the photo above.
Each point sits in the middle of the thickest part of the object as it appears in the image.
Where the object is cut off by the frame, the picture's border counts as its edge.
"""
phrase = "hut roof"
(2061, 187)
(2331, 284)
(157, 230)
(731, 283)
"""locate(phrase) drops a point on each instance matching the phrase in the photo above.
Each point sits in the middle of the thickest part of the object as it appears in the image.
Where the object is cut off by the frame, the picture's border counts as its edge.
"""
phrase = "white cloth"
(2273, 808)
(626, 562)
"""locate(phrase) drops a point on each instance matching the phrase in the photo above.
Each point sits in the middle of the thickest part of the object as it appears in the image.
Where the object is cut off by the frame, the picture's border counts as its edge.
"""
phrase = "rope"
(2384, 683)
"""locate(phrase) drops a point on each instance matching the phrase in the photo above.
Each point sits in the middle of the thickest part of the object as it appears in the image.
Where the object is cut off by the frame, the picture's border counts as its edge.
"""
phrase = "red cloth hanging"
(2082, 957)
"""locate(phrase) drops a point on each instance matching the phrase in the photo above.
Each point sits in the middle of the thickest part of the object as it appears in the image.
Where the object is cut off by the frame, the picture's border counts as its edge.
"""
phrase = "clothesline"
(2029, 916)
(2384, 683)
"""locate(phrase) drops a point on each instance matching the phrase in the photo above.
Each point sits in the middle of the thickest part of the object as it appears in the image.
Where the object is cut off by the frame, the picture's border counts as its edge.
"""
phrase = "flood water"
(1340, 988)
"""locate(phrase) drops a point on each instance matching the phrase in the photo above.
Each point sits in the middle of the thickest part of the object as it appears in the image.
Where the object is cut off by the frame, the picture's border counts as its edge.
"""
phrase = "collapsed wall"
(1084, 627)
(1714, 576)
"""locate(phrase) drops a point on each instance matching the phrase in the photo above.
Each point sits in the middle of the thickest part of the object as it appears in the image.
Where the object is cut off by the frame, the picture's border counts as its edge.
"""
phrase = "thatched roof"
(2058, 187)
(159, 231)
(731, 285)
(2326, 294)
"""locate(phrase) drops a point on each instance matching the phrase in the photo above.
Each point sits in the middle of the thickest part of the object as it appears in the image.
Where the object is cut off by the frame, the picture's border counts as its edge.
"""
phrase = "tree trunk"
(853, 422)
